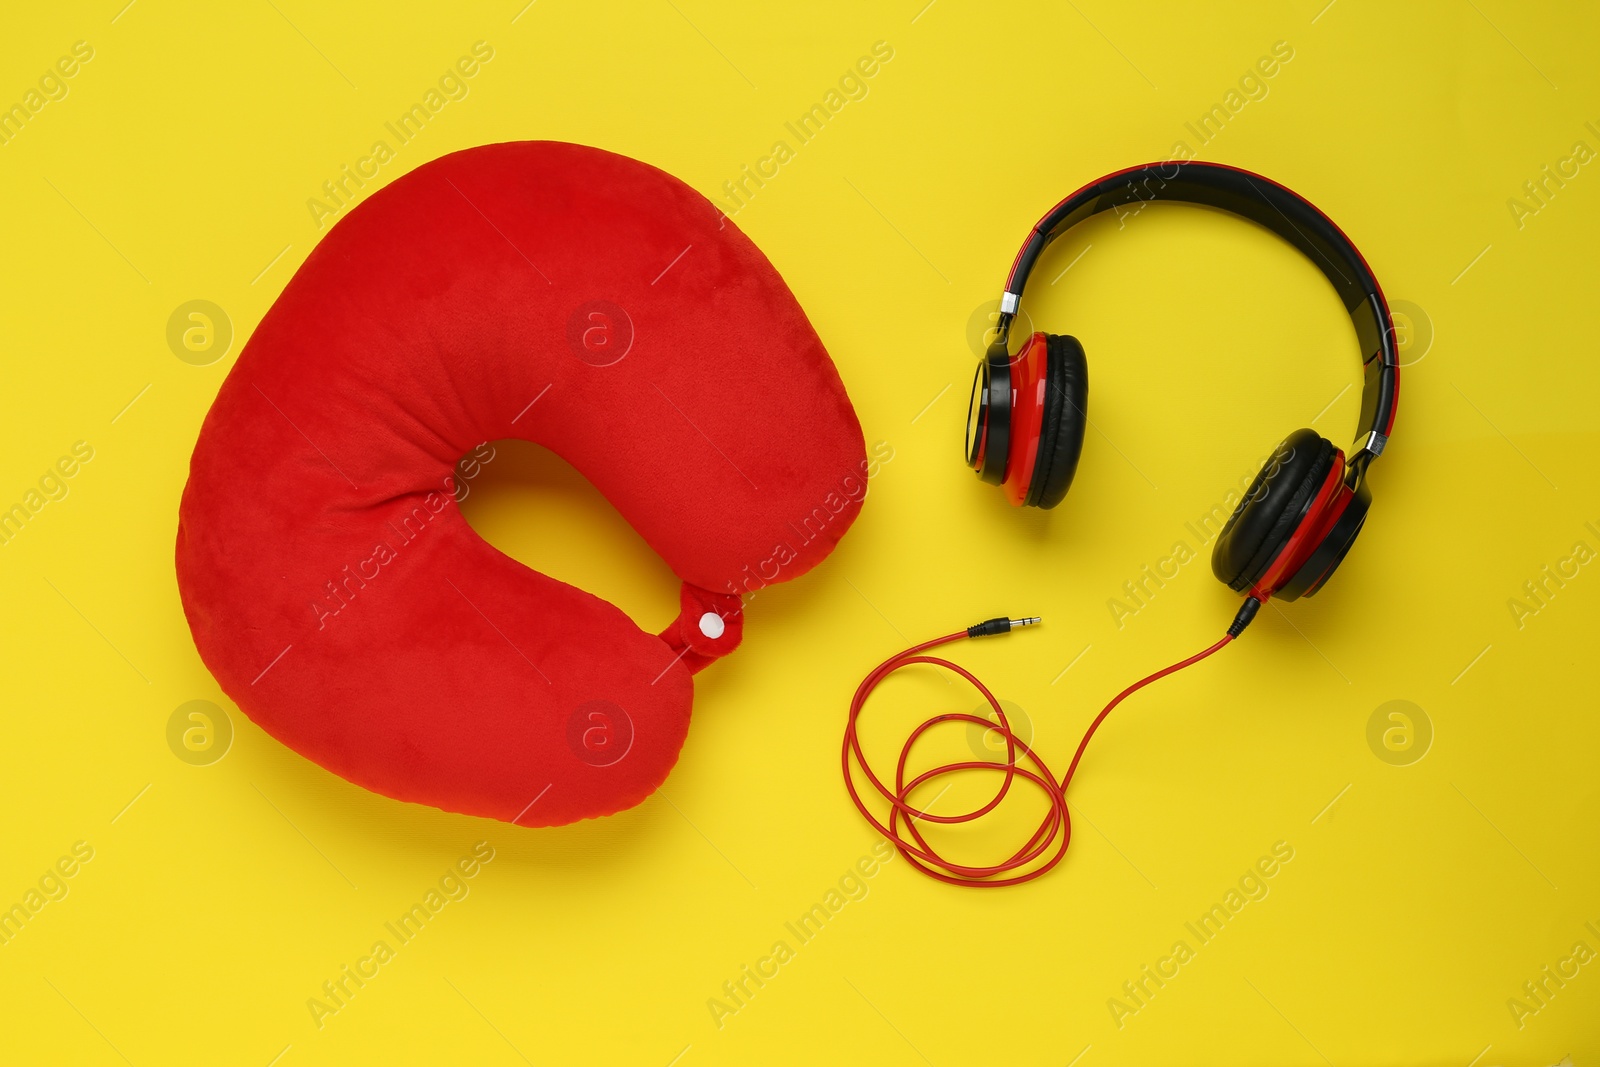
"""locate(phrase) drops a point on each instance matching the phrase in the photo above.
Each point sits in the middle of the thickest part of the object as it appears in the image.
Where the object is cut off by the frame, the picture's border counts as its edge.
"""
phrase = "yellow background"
(1420, 898)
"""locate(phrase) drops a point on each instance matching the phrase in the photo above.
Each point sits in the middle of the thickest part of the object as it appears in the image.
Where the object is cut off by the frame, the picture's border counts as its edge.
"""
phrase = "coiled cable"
(1047, 845)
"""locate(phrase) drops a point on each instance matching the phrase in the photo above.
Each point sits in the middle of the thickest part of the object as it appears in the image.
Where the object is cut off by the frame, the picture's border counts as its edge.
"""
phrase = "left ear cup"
(1066, 407)
(1277, 504)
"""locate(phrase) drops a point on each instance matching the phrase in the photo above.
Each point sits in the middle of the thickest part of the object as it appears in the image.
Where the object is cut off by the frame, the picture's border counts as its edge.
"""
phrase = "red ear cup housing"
(1026, 418)
(1346, 517)
(1066, 406)
(1029, 384)
(1294, 524)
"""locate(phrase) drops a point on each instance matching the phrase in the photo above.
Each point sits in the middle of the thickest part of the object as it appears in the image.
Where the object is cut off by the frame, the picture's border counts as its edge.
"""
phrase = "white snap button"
(711, 625)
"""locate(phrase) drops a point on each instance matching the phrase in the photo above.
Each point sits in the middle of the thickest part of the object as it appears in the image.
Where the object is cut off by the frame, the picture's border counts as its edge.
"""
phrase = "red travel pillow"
(551, 292)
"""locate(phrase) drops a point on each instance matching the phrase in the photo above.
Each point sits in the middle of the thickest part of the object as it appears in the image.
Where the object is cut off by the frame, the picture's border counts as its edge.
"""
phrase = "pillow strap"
(709, 626)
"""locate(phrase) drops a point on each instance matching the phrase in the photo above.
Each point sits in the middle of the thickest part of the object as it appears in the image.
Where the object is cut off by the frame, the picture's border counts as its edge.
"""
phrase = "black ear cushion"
(1271, 509)
(1066, 406)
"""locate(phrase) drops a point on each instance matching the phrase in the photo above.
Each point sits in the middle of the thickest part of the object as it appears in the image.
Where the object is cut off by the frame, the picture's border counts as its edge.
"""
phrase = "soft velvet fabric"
(330, 581)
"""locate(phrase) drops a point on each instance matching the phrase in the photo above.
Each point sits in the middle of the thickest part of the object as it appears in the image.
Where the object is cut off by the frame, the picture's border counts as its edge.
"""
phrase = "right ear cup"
(1273, 508)
(1066, 406)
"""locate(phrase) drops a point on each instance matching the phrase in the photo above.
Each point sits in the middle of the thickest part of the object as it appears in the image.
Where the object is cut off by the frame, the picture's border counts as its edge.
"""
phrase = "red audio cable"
(1055, 829)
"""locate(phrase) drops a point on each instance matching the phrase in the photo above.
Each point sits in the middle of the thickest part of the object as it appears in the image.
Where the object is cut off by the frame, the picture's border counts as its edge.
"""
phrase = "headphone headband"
(1285, 213)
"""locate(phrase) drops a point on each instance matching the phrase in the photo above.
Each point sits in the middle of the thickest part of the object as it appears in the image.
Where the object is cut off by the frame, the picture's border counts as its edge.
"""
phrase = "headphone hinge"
(1366, 451)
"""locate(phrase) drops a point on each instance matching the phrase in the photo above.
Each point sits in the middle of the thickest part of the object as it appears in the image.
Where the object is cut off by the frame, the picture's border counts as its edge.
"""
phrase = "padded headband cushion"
(1065, 414)
(1271, 508)
(1266, 203)
(551, 292)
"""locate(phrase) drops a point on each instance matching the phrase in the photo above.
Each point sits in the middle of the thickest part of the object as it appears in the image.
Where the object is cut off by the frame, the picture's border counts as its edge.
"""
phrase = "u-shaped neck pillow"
(552, 292)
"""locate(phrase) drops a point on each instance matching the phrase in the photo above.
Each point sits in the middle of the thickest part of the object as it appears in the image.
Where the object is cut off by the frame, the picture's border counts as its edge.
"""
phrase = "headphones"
(1025, 426)
(1301, 514)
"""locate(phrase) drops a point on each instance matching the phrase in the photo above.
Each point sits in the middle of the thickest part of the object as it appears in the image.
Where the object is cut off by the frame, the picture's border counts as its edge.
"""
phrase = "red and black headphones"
(1025, 429)
(1026, 418)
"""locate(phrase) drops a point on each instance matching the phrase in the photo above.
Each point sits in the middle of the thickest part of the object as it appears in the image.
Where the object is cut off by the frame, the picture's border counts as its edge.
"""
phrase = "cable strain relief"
(1246, 615)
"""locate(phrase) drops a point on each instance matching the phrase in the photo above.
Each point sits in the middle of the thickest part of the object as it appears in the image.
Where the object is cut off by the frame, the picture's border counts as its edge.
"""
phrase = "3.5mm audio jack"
(990, 627)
